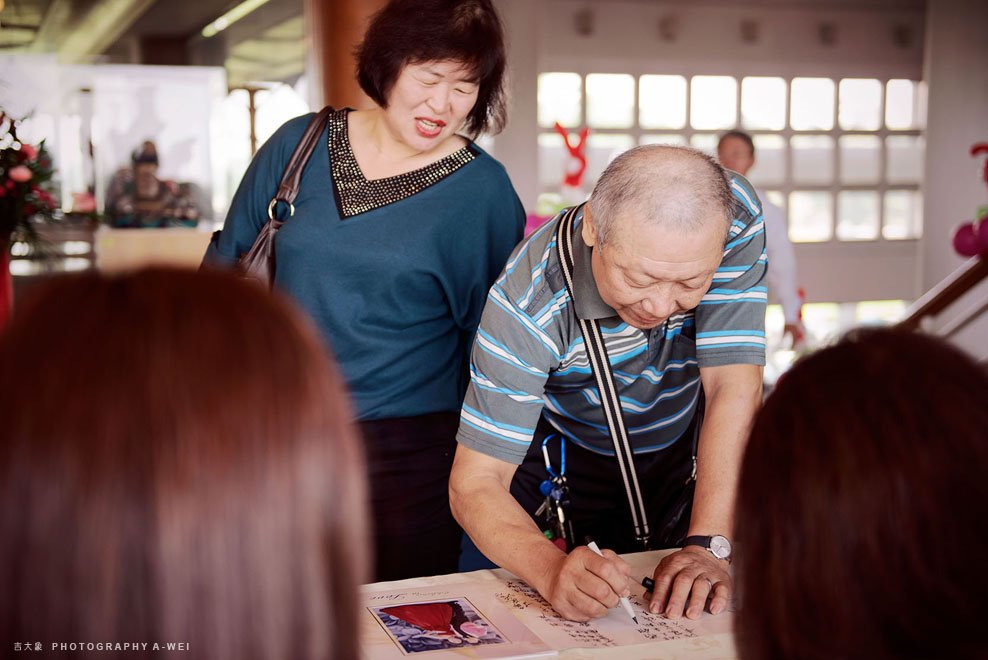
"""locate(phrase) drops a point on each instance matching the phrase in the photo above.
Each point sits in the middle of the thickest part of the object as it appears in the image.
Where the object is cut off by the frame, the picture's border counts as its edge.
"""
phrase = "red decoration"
(6, 287)
(970, 239)
(577, 162)
(965, 240)
(981, 234)
(25, 198)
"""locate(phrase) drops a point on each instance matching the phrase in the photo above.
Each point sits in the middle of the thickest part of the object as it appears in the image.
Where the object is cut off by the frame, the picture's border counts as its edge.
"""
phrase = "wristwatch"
(718, 545)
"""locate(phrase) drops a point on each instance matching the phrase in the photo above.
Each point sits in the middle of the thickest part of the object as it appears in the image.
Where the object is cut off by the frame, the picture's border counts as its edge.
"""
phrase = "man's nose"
(659, 306)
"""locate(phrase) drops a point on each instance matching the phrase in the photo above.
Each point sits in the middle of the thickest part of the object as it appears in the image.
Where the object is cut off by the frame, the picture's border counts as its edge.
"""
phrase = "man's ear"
(588, 229)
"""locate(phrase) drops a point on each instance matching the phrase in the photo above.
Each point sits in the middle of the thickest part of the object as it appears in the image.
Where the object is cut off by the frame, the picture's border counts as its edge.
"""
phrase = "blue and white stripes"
(529, 357)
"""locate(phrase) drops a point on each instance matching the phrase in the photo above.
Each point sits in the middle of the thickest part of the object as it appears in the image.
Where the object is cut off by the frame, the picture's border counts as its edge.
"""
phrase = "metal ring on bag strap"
(274, 202)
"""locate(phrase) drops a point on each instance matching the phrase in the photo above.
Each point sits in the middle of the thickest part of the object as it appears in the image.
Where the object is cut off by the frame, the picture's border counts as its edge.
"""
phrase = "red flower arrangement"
(25, 185)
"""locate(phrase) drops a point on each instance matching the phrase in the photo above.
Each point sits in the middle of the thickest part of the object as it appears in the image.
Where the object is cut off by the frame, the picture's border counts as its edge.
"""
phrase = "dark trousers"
(409, 461)
(598, 504)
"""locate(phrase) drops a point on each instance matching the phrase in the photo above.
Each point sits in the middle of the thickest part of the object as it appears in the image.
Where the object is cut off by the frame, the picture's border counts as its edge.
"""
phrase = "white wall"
(117, 107)
(957, 71)
(176, 107)
(707, 39)
(29, 88)
(516, 146)
(543, 37)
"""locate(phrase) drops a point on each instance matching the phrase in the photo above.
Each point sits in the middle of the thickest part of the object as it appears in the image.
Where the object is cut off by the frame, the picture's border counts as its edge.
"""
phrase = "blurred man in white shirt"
(736, 151)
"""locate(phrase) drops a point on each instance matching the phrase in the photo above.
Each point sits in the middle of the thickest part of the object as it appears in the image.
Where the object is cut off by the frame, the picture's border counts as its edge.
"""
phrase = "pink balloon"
(965, 241)
(982, 233)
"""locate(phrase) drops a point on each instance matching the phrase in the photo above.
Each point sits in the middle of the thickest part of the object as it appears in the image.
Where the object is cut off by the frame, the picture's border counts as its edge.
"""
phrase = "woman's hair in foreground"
(414, 31)
(177, 463)
(862, 502)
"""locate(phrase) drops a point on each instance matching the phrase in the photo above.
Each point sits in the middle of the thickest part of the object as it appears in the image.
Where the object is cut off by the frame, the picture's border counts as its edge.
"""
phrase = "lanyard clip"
(562, 456)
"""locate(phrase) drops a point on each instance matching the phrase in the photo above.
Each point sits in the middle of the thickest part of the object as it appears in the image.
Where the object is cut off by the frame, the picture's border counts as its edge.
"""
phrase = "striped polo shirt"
(529, 358)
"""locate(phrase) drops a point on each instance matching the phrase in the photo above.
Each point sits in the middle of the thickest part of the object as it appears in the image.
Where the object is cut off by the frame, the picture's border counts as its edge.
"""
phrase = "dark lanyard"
(593, 339)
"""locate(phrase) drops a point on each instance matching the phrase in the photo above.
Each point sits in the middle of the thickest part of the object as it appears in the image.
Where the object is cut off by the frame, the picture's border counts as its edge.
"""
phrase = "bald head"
(678, 188)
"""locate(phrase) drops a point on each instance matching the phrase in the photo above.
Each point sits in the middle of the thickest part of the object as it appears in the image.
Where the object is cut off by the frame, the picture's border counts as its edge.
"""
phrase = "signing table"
(493, 614)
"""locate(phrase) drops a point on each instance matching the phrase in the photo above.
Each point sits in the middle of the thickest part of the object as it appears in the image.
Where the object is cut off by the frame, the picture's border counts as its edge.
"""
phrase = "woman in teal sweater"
(400, 227)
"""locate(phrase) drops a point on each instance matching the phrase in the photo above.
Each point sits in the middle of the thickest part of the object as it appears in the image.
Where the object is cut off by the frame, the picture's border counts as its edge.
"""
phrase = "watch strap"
(702, 541)
(707, 542)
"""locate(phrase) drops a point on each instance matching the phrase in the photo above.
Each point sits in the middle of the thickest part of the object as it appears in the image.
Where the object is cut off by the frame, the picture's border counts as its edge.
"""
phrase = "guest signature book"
(495, 618)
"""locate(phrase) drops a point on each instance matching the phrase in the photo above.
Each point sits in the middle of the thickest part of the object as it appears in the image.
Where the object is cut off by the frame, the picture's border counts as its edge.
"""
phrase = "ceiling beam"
(80, 31)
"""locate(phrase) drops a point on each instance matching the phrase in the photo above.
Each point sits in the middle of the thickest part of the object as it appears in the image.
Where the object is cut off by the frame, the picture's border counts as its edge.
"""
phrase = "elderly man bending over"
(668, 259)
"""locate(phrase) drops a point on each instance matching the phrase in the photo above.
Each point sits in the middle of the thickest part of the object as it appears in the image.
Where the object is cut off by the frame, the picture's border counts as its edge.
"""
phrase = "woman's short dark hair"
(177, 463)
(861, 497)
(413, 31)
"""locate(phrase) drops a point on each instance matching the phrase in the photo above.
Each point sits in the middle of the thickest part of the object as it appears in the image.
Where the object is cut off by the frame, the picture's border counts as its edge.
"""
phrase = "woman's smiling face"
(429, 102)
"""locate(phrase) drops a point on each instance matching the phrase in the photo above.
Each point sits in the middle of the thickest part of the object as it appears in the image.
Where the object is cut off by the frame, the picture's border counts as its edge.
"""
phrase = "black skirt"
(409, 460)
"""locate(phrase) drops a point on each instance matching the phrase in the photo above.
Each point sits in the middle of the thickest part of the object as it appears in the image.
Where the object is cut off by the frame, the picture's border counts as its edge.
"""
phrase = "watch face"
(720, 547)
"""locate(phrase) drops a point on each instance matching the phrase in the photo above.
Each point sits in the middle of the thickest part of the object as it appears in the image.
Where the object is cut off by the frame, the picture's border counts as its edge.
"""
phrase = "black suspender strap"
(593, 338)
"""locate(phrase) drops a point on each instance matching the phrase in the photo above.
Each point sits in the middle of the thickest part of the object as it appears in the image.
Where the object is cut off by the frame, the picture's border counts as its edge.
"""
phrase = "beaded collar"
(355, 195)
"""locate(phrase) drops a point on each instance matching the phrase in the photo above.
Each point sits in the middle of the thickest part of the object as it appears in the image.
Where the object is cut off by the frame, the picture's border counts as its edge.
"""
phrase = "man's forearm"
(503, 531)
(730, 411)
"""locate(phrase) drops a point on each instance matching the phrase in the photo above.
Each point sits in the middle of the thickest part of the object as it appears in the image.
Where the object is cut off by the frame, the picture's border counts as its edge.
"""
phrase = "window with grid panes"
(842, 157)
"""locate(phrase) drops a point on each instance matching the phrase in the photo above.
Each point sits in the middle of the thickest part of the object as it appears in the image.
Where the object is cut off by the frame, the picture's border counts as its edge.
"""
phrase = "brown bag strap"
(290, 180)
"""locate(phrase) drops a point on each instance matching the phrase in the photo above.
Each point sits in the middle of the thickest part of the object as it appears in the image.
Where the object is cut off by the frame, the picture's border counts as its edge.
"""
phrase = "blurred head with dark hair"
(861, 499)
(736, 151)
(145, 161)
(439, 43)
(146, 153)
(177, 463)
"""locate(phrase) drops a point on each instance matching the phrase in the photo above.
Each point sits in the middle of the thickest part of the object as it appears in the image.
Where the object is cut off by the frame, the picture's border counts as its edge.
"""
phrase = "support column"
(517, 147)
(955, 68)
(956, 53)
(334, 28)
